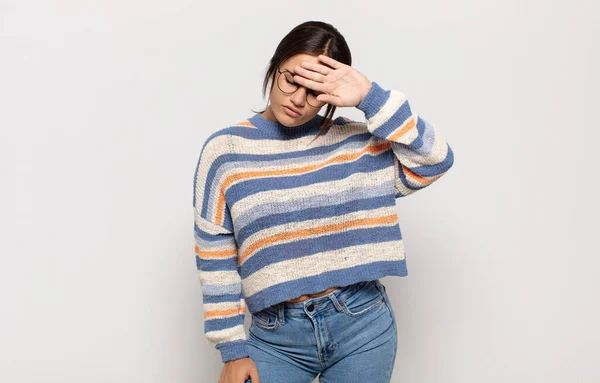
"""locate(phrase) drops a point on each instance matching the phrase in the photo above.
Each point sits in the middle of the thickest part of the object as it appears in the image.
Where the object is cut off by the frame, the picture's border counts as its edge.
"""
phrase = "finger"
(329, 99)
(318, 86)
(309, 74)
(254, 377)
(331, 62)
(316, 67)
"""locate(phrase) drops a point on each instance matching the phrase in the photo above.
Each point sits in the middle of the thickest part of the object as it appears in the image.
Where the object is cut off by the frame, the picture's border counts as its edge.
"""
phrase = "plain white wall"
(104, 106)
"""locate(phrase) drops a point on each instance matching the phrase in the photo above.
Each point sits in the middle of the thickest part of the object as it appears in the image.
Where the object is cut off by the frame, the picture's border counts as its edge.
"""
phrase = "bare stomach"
(308, 296)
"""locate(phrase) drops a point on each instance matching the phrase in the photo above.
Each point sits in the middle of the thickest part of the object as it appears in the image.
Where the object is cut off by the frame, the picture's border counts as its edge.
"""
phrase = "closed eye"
(289, 77)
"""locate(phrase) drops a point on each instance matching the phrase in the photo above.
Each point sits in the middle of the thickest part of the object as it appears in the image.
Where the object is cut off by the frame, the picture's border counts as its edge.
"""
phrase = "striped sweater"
(279, 214)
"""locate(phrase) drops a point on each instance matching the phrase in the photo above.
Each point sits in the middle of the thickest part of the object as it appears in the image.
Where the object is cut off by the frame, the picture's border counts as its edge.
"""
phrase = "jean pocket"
(266, 319)
(367, 298)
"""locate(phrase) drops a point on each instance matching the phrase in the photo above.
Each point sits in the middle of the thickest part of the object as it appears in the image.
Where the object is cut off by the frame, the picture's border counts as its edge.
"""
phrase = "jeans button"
(311, 307)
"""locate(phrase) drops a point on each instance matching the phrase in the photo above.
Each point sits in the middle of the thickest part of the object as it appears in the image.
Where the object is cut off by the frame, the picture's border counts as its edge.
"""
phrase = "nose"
(299, 96)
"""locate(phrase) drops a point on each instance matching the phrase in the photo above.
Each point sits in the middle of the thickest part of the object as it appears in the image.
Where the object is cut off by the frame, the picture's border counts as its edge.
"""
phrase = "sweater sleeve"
(421, 154)
(216, 256)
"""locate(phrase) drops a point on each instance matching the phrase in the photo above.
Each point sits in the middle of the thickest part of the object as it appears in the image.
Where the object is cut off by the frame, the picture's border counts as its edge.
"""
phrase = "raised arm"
(422, 155)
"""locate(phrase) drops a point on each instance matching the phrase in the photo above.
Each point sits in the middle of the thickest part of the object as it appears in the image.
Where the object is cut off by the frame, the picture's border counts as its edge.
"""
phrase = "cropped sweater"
(279, 214)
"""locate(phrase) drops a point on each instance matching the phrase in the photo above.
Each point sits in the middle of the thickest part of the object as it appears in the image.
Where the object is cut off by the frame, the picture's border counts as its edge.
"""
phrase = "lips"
(292, 109)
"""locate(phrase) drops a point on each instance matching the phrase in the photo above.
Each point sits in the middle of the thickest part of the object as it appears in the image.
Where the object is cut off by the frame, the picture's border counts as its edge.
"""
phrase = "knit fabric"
(279, 214)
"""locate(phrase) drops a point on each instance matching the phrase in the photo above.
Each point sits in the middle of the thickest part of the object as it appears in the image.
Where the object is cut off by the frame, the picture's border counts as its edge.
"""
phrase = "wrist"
(375, 98)
(366, 88)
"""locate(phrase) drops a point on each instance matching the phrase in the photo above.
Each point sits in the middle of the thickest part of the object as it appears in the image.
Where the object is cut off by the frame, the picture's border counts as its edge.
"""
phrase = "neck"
(267, 122)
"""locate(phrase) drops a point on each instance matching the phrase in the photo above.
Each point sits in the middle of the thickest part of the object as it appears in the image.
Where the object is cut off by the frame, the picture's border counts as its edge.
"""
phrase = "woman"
(295, 219)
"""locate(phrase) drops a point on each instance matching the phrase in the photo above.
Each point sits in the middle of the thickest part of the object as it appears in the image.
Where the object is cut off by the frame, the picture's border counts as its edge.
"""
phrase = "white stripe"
(313, 223)
(227, 335)
(349, 184)
(219, 278)
(387, 110)
(319, 263)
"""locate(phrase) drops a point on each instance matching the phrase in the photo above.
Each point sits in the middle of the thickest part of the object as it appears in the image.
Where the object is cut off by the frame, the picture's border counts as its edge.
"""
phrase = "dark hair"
(312, 38)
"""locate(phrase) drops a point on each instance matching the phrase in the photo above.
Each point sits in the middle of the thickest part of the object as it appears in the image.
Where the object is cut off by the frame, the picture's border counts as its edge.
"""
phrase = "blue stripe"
(366, 163)
(395, 121)
(221, 298)
(316, 212)
(283, 291)
(303, 247)
(250, 215)
(216, 324)
(220, 290)
(434, 169)
(229, 264)
(374, 100)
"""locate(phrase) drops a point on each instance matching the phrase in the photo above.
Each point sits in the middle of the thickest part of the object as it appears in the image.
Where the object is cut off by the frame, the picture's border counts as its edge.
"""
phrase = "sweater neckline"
(311, 126)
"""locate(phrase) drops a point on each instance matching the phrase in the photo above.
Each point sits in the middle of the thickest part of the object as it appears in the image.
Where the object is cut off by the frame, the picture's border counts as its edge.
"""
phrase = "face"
(280, 101)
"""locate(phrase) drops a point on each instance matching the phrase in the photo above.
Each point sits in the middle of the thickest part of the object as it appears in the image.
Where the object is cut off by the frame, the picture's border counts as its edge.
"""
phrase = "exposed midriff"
(308, 296)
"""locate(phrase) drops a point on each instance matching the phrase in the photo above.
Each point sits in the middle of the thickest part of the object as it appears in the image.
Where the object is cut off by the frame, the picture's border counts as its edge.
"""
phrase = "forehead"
(295, 60)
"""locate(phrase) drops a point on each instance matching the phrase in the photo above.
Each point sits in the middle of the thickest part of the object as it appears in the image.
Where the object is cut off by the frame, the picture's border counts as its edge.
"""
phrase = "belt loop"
(335, 301)
(379, 286)
(281, 314)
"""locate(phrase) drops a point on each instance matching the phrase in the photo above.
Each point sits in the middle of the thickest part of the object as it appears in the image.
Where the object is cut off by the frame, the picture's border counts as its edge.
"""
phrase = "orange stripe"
(220, 207)
(415, 177)
(221, 199)
(214, 254)
(408, 125)
(392, 218)
(226, 312)
(304, 169)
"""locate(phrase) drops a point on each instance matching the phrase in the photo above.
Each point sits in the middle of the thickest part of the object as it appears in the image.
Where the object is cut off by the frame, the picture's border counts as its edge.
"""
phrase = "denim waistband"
(321, 303)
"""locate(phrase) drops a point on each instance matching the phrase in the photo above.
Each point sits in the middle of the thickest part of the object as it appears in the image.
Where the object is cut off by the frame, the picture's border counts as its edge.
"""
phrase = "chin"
(286, 120)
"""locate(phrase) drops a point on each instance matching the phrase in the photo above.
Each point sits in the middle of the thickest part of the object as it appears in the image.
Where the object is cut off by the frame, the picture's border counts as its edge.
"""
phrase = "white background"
(104, 107)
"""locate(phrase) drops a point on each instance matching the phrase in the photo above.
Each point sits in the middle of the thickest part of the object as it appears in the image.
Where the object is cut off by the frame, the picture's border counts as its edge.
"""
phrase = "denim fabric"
(346, 336)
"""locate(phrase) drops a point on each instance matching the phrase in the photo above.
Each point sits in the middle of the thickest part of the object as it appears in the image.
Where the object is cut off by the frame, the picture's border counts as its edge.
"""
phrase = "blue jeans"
(346, 336)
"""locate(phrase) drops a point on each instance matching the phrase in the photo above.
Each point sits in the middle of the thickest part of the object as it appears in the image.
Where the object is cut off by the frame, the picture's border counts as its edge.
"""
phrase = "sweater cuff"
(375, 98)
(233, 350)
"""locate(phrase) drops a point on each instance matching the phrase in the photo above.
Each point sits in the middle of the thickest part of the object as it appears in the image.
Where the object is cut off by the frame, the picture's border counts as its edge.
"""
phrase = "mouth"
(291, 111)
